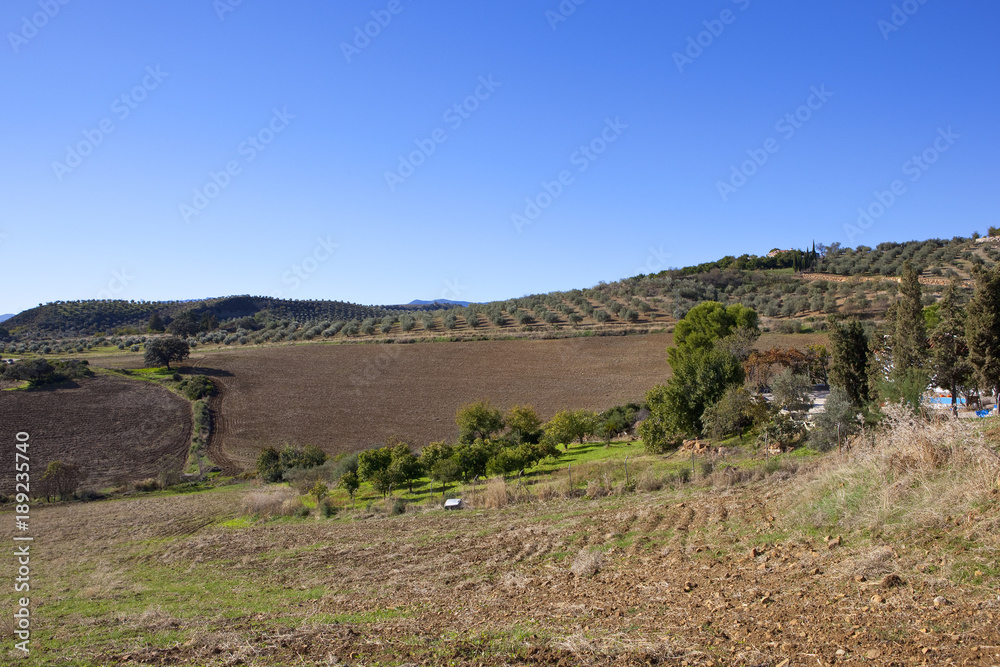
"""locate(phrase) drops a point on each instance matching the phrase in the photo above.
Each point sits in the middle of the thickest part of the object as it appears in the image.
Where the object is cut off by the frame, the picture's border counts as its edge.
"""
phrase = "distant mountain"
(6, 316)
(441, 302)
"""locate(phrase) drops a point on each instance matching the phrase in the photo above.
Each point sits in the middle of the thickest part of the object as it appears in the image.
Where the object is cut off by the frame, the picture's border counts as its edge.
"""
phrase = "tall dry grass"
(272, 501)
(910, 473)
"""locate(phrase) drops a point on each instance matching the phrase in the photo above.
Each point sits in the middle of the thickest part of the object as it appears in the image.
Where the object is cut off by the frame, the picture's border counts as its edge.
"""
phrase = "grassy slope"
(710, 572)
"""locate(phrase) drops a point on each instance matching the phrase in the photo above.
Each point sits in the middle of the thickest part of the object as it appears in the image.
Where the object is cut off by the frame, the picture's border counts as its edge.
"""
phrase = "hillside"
(791, 290)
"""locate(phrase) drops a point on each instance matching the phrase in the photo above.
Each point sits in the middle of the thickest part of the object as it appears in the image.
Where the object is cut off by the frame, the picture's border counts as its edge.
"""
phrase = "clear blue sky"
(663, 131)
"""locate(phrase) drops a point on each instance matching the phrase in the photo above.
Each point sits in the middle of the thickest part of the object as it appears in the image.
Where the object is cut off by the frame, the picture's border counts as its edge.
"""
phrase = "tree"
(164, 350)
(737, 410)
(949, 350)
(524, 424)
(374, 467)
(849, 360)
(155, 323)
(983, 329)
(349, 482)
(908, 332)
(445, 471)
(405, 466)
(269, 466)
(700, 378)
(478, 420)
(319, 491)
(567, 426)
(61, 479)
(657, 431)
(184, 325)
(838, 420)
(790, 390)
(710, 321)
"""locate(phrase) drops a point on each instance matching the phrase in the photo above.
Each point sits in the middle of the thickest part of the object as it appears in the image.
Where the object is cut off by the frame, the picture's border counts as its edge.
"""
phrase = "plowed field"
(347, 397)
(116, 430)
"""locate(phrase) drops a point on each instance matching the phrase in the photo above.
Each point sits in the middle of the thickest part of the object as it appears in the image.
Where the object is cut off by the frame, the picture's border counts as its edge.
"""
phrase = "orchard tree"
(405, 466)
(349, 482)
(524, 424)
(374, 466)
(161, 351)
(478, 420)
(567, 426)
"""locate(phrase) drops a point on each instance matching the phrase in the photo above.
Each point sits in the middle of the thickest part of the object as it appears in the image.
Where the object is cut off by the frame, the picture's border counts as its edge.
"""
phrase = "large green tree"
(711, 340)
(982, 327)
(161, 351)
(707, 322)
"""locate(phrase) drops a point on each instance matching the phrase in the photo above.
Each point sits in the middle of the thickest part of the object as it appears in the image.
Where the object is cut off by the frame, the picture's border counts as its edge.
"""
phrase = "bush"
(146, 485)
(197, 387)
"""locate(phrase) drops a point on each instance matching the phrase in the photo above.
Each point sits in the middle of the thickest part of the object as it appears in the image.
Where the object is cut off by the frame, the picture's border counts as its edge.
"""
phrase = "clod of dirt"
(891, 581)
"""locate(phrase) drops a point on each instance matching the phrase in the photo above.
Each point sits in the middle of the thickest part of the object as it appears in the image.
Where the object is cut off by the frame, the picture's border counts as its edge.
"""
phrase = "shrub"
(197, 387)
(146, 485)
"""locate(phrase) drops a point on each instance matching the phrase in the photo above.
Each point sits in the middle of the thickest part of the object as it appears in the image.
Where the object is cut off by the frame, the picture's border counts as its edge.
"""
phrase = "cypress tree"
(949, 351)
(908, 333)
(983, 329)
(849, 360)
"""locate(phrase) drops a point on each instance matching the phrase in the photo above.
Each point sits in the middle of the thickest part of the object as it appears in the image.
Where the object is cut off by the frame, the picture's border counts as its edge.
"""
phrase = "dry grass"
(272, 501)
(497, 493)
(911, 473)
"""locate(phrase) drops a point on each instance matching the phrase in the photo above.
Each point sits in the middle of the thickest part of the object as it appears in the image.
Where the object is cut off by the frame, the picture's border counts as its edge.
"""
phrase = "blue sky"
(475, 150)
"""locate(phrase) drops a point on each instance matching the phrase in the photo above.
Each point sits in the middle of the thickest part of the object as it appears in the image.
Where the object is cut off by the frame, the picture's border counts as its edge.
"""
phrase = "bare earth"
(113, 428)
(348, 397)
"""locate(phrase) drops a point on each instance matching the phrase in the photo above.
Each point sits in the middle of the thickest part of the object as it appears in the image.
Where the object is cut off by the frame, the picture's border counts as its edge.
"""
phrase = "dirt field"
(345, 398)
(116, 430)
(348, 397)
(688, 577)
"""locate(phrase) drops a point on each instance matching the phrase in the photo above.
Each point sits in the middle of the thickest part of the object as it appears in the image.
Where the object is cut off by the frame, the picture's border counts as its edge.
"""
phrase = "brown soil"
(348, 397)
(116, 430)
